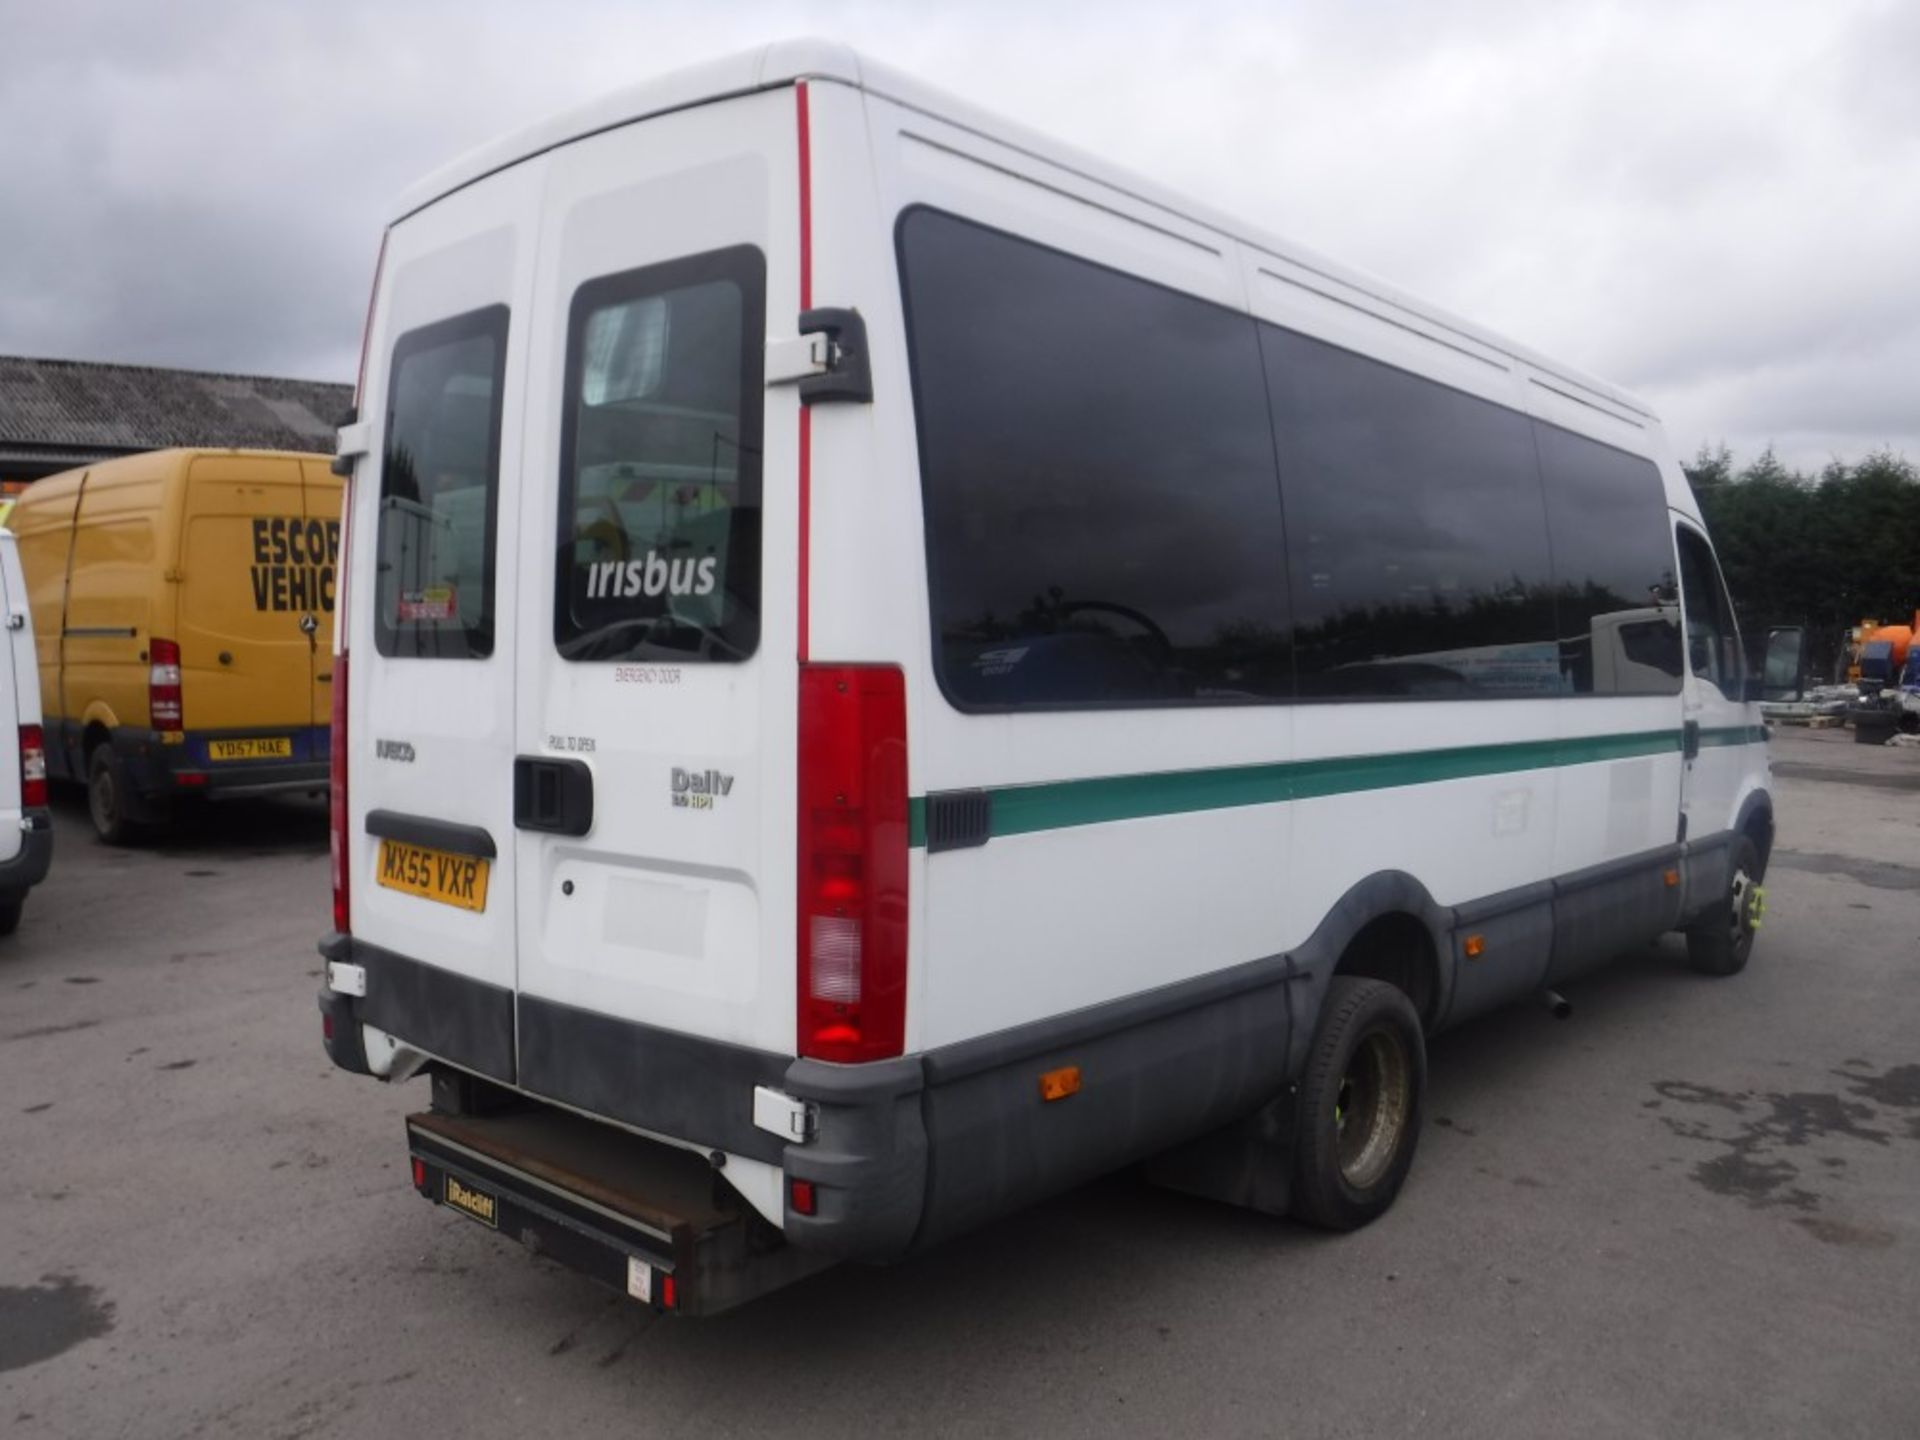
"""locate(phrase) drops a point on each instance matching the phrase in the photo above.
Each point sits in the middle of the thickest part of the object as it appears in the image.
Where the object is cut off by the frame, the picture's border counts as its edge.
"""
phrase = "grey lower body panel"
(909, 1152)
(28, 866)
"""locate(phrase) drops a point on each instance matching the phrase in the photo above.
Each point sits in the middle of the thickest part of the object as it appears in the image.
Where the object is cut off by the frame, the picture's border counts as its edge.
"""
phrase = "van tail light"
(163, 684)
(853, 862)
(337, 795)
(33, 768)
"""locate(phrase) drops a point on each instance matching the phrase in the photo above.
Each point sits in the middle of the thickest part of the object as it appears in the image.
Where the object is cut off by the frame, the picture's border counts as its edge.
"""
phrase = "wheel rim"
(1371, 1108)
(1740, 916)
(100, 797)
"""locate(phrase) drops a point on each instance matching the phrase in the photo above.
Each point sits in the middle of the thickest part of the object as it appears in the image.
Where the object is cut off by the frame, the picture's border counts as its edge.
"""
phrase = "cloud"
(1711, 203)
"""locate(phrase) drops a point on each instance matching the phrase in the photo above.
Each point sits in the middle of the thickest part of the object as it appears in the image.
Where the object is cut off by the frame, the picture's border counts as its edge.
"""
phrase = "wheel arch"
(1386, 926)
(1755, 820)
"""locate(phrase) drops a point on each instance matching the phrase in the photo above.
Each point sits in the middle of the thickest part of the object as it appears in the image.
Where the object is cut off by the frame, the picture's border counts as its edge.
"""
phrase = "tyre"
(1719, 942)
(1360, 1101)
(107, 797)
(10, 914)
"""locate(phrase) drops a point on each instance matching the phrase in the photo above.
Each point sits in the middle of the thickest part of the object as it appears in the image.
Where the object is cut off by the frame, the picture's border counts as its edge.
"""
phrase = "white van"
(895, 667)
(26, 825)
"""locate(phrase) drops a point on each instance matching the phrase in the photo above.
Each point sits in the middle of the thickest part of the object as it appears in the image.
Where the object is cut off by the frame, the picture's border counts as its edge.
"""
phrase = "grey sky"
(1715, 204)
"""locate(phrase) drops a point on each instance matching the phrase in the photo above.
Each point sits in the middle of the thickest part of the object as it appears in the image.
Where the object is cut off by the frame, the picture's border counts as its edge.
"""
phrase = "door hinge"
(798, 358)
(352, 443)
(781, 1114)
(828, 359)
(1690, 740)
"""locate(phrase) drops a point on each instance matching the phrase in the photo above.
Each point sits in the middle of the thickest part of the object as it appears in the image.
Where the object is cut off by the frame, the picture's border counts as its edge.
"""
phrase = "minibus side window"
(659, 542)
(439, 490)
(1613, 567)
(1416, 533)
(1102, 509)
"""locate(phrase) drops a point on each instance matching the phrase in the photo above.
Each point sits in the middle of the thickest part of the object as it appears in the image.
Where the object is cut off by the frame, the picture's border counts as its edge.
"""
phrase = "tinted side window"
(440, 490)
(1103, 517)
(660, 463)
(1713, 644)
(1613, 564)
(1416, 535)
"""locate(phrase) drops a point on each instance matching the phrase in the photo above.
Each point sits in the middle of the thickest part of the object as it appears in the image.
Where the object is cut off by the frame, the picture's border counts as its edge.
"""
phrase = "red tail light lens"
(163, 684)
(337, 793)
(33, 768)
(853, 862)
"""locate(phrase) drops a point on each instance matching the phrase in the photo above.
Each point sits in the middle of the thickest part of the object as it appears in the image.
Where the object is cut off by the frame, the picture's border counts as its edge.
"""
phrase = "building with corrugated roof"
(59, 414)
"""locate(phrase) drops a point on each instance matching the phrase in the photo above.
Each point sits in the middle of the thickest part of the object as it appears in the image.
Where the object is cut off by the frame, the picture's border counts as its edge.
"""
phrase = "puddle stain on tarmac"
(38, 1322)
(1755, 1165)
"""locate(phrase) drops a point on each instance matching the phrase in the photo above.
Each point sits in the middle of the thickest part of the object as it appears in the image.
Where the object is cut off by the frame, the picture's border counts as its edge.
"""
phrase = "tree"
(1823, 552)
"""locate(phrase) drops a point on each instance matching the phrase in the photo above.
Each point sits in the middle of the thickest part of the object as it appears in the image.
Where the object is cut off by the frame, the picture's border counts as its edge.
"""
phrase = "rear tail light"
(33, 768)
(163, 684)
(852, 941)
(337, 793)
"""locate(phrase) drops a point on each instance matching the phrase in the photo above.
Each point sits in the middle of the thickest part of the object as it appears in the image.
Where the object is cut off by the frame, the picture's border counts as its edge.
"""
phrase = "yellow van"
(183, 608)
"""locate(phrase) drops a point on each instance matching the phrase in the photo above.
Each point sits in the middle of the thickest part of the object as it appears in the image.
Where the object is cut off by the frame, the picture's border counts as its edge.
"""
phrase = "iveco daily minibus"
(889, 667)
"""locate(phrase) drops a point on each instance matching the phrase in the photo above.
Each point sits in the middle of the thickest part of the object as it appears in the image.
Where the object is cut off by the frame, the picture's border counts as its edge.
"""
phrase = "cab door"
(1718, 723)
(654, 725)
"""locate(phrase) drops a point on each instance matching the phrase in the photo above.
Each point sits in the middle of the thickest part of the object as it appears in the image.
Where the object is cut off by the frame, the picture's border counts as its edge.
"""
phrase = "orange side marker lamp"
(1059, 1084)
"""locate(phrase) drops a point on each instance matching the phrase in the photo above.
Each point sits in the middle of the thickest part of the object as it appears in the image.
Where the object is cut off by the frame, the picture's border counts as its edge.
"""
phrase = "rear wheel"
(1360, 1104)
(1722, 939)
(107, 797)
(10, 914)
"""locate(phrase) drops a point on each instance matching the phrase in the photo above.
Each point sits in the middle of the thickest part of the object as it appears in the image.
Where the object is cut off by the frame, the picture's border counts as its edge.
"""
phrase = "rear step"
(646, 1219)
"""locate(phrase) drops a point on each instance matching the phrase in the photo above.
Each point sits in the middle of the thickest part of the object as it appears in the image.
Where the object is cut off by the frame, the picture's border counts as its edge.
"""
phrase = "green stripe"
(1023, 809)
(1735, 735)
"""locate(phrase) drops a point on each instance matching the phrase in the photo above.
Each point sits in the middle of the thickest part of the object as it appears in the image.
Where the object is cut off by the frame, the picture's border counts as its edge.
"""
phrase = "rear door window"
(660, 463)
(440, 490)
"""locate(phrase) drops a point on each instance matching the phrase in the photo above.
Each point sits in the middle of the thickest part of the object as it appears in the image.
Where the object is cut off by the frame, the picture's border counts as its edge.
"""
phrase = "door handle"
(552, 796)
(1690, 740)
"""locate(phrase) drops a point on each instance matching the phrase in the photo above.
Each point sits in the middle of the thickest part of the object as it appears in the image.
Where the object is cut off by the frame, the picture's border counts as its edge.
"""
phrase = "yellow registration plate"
(434, 874)
(275, 747)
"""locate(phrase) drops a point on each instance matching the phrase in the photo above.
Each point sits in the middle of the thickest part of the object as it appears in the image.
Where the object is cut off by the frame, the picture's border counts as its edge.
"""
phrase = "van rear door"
(655, 718)
(246, 587)
(431, 648)
(321, 491)
(16, 677)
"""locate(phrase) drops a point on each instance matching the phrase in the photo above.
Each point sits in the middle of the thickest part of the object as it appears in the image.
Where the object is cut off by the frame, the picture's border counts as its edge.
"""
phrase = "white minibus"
(888, 667)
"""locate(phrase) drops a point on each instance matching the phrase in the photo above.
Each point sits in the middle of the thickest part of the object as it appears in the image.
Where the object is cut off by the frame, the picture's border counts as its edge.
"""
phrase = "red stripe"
(806, 303)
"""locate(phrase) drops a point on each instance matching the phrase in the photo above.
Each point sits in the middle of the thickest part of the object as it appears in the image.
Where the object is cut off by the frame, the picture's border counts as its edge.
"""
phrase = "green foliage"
(1822, 551)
